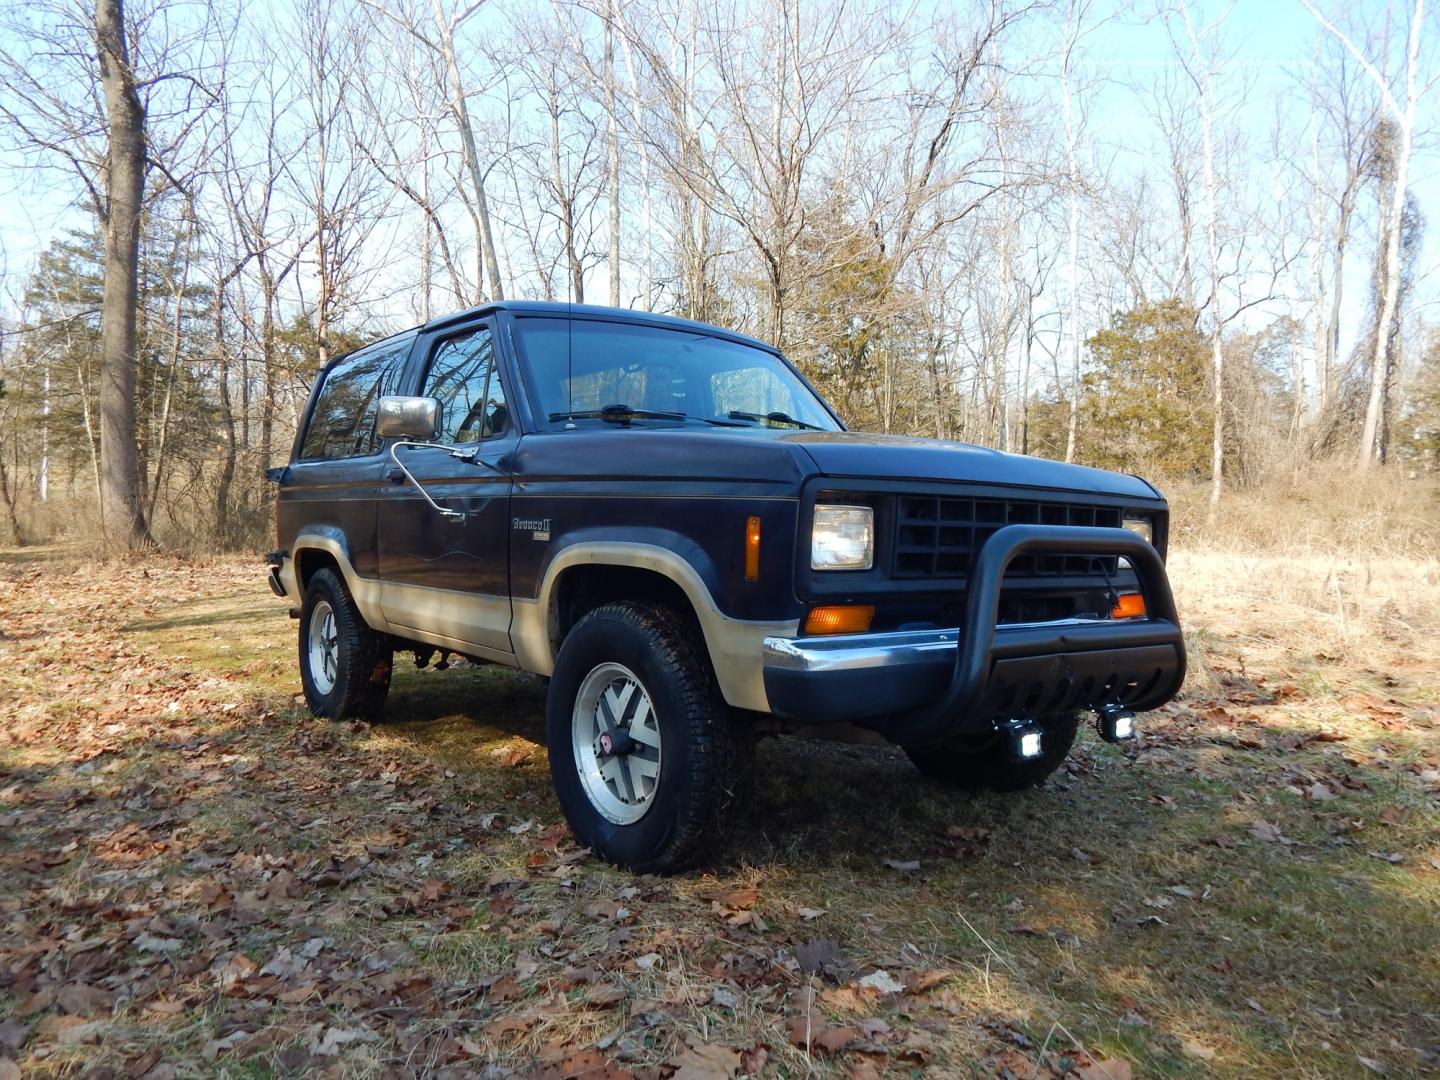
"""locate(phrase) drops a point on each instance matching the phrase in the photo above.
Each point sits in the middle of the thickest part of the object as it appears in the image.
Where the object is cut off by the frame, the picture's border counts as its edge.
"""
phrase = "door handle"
(395, 476)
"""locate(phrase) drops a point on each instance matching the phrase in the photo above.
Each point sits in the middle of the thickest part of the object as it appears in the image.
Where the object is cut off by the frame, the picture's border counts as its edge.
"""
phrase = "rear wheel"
(978, 764)
(649, 763)
(344, 665)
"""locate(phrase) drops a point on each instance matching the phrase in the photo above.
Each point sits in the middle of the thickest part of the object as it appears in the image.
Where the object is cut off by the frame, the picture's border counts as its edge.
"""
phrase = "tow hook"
(1115, 723)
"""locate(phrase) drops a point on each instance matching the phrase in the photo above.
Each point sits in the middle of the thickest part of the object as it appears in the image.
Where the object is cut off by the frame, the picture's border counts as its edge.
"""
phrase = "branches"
(933, 209)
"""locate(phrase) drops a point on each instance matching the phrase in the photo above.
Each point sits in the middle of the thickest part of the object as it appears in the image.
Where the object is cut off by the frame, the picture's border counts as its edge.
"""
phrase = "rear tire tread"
(365, 656)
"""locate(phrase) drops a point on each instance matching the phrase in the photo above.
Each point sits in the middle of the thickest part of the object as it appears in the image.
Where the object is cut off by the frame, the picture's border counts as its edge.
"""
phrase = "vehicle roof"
(561, 308)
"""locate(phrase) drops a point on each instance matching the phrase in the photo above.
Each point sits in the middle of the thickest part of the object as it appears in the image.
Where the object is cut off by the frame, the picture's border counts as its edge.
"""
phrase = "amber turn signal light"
(752, 549)
(839, 619)
(1129, 605)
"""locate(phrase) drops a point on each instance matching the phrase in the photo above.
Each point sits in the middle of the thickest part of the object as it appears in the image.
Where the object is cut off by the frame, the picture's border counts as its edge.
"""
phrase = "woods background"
(1186, 240)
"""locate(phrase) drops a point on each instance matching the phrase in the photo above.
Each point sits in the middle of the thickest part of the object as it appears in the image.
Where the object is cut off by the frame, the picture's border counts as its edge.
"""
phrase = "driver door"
(449, 579)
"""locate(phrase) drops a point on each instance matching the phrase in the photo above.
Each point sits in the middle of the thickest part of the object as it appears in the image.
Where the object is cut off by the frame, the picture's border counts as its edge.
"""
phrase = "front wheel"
(649, 763)
(344, 665)
(972, 765)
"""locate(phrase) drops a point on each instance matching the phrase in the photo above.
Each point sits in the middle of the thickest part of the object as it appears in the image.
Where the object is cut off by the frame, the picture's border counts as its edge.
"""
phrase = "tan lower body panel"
(524, 633)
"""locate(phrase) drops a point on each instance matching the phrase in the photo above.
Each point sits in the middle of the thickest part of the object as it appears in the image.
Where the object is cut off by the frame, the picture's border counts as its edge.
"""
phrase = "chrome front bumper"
(861, 652)
(856, 676)
(897, 648)
(923, 686)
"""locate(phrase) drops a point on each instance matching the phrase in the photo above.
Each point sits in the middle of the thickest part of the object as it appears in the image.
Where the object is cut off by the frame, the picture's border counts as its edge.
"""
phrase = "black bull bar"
(1037, 669)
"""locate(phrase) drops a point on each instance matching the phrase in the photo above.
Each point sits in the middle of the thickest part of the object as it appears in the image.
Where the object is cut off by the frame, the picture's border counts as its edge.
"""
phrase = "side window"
(464, 378)
(343, 422)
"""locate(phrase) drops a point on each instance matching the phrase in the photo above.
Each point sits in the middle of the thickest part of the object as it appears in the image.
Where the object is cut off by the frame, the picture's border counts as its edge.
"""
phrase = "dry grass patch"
(200, 878)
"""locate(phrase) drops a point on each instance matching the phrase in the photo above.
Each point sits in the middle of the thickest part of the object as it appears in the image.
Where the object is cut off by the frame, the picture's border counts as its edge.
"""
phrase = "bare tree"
(1403, 116)
(121, 492)
(1344, 115)
(612, 146)
(439, 38)
(1075, 16)
(342, 195)
(1200, 66)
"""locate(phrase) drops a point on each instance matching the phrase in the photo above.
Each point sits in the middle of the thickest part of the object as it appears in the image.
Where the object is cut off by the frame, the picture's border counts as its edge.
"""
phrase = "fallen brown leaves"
(197, 862)
(199, 879)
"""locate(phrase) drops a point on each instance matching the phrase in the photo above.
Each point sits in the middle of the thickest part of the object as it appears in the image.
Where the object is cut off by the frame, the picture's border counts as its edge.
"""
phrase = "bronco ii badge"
(539, 528)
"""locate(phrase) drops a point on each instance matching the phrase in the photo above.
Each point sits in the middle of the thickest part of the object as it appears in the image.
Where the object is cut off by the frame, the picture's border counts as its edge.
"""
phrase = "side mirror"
(407, 417)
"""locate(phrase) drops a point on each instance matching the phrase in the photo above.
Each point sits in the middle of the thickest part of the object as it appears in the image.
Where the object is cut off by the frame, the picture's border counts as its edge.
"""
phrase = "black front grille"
(937, 537)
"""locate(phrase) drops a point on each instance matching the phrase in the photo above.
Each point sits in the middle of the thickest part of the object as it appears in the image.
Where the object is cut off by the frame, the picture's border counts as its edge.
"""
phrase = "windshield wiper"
(774, 417)
(618, 414)
(623, 414)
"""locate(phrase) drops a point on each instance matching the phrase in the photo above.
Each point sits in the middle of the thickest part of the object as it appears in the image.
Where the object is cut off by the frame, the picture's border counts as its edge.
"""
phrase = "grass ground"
(198, 879)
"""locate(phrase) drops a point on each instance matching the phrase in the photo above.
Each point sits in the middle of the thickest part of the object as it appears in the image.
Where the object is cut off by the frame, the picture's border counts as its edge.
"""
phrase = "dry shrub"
(1329, 509)
(1331, 565)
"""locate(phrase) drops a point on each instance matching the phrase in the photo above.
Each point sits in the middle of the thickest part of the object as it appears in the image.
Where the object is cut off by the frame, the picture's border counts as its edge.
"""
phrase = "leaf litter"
(198, 864)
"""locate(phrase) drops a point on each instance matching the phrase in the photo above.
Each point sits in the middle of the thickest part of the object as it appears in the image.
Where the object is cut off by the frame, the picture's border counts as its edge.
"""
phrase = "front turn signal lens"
(1129, 606)
(840, 619)
(752, 549)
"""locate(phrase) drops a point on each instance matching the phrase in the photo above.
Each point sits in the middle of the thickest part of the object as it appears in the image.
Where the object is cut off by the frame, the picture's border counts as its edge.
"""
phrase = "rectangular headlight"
(1142, 527)
(843, 538)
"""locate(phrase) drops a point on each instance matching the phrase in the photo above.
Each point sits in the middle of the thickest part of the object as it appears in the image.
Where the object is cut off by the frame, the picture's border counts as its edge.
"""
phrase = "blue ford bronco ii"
(670, 523)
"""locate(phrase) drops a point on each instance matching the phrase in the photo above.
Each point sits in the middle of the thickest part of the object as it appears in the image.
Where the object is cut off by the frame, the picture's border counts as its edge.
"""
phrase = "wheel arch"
(319, 546)
(607, 569)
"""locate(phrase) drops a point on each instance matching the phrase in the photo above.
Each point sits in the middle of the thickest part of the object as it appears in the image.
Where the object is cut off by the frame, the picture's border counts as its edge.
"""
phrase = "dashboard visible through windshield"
(589, 370)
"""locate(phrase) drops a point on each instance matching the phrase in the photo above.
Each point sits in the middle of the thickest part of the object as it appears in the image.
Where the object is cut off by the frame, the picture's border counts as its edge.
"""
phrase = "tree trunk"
(1205, 88)
(613, 139)
(1332, 330)
(42, 484)
(8, 494)
(1374, 437)
(1025, 370)
(485, 240)
(1073, 223)
(1217, 352)
(121, 498)
(268, 361)
(1000, 348)
(426, 270)
(1370, 447)
(324, 289)
(92, 437)
(227, 417)
(564, 203)
(646, 205)
(176, 326)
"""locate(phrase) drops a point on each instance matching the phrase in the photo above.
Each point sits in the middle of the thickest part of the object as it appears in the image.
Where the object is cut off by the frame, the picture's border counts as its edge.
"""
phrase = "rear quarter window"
(342, 423)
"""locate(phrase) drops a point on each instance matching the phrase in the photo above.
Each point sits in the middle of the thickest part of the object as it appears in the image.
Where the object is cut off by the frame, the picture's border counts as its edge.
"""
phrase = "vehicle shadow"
(815, 801)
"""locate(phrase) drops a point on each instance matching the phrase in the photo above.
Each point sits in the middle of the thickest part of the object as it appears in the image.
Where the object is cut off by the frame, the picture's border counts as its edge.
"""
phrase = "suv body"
(628, 503)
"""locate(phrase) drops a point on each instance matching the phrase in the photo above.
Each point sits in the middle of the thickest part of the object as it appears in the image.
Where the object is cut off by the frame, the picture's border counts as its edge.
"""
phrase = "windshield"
(579, 370)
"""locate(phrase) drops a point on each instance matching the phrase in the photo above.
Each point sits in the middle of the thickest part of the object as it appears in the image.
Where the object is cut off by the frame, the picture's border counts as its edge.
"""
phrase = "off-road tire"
(964, 764)
(364, 658)
(706, 768)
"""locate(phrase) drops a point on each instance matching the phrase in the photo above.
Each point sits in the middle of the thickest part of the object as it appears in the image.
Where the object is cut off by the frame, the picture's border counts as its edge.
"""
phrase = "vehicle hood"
(904, 457)
(760, 461)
